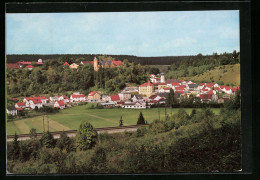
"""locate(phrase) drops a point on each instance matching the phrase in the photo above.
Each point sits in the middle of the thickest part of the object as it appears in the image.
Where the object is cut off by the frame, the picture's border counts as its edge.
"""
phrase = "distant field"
(230, 74)
(70, 119)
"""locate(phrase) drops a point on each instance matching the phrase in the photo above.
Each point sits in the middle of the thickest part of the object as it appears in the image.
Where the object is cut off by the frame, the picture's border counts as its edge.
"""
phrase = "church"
(105, 64)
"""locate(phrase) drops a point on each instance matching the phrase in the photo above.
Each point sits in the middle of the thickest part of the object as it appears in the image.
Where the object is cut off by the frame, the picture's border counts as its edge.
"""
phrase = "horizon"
(141, 34)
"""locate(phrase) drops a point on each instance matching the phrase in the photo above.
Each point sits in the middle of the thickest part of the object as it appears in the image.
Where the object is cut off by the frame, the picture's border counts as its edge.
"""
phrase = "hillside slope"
(229, 74)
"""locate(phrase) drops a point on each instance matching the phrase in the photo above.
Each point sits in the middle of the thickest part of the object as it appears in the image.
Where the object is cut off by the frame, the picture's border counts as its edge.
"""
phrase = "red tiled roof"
(234, 89)
(36, 101)
(117, 63)
(92, 93)
(180, 92)
(77, 95)
(25, 62)
(152, 96)
(39, 63)
(61, 103)
(225, 87)
(66, 64)
(29, 66)
(179, 88)
(121, 102)
(204, 89)
(210, 92)
(151, 75)
(19, 109)
(115, 98)
(167, 88)
(65, 97)
(146, 84)
(205, 96)
(175, 84)
(14, 98)
(217, 88)
(202, 84)
(20, 104)
(12, 65)
(32, 98)
(210, 85)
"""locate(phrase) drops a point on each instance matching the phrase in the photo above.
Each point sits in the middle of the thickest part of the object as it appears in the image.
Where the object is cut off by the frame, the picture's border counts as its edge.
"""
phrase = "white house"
(54, 98)
(134, 105)
(105, 98)
(59, 104)
(65, 99)
(226, 89)
(35, 103)
(42, 98)
(20, 105)
(11, 110)
(164, 90)
(77, 97)
(123, 95)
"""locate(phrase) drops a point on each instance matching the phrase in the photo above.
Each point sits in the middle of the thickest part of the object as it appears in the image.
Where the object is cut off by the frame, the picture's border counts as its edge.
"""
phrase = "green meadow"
(70, 118)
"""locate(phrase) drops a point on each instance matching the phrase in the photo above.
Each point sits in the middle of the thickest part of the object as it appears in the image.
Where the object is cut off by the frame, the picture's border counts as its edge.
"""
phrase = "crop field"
(70, 119)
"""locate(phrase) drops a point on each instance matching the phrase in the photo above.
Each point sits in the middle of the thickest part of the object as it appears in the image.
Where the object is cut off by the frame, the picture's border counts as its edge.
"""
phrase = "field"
(229, 74)
(70, 119)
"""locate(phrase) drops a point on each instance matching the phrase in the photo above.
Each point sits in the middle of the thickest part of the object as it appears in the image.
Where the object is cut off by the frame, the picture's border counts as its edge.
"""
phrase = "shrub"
(141, 131)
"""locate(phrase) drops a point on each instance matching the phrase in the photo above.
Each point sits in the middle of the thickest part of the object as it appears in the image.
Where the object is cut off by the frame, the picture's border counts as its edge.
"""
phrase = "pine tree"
(141, 119)
(121, 121)
(16, 147)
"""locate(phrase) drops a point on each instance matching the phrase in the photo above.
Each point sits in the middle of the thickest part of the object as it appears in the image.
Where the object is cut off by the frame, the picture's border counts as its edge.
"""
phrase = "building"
(65, 99)
(20, 105)
(74, 66)
(35, 103)
(12, 66)
(164, 90)
(30, 67)
(134, 105)
(137, 98)
(94, 96)
(123, 95)
(11, 110)
(77, 98)
(54, 98)
(131, 89)
(114, 98)
(27, 100)
(146, 89)
(161, 85)
(108, 105)
(59, 104)
(105, 64)
(162, 78)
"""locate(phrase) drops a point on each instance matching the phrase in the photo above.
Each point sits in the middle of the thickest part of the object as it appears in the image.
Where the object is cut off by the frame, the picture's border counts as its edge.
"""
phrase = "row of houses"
(20, 64)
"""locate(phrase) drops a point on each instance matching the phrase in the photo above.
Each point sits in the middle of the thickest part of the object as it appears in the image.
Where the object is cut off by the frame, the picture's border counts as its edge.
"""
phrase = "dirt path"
(106, 119)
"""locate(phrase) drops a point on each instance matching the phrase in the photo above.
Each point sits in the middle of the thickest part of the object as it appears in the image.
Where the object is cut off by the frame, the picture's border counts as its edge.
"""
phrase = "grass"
(71, 118)
(230, 74)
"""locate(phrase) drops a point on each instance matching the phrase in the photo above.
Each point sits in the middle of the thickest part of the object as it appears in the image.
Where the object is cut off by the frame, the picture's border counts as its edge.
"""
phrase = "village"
(155, 91)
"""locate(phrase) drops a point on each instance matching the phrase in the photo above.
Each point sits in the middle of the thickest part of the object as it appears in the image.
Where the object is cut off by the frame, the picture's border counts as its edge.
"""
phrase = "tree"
(141, 119)
(16, 148)
(47, 140)
(86, 136)
(64, 142)
(121, 121)
(32, 133)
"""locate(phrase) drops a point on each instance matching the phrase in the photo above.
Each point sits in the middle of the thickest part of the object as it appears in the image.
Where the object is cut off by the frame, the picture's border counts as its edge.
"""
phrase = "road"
(72, 133)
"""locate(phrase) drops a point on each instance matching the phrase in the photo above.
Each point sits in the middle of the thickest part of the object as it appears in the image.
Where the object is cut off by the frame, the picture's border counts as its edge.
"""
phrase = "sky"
(168, 33)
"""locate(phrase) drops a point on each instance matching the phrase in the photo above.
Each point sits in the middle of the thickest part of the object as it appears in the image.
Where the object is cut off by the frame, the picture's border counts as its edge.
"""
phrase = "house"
(164, 90)
(155, 80)
(205, 98)
(65, 99)
(59, 104)
(134, 105)
(180, 88)
(146, 89)
(27, 100)
(226, 89)
(114, 98)
(168, 81)
(105, 98)
(171, 85)
(137, 98)
(74, 66)
(105, 64)
(54, 98)
(123, 95)
(192, 86)
(234, 90)
(131, 89)
(214, 97)
(30, 67)
(66, 64)
(35, 103)
(77, 97)
(20, 105)
(151, 75)
(108, 105)
(220, 101)
(11, 110)
(94, 96)
(12, 66)
(161, 85)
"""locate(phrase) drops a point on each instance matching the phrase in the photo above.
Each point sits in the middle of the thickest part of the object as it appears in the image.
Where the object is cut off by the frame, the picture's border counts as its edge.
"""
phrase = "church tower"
(162, 78)
(95, 64)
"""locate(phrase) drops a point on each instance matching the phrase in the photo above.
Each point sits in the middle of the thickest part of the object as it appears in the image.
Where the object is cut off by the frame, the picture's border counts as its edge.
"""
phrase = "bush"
(141, 131)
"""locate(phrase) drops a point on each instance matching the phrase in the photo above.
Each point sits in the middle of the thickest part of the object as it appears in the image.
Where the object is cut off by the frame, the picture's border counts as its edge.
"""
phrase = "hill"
(229, 74)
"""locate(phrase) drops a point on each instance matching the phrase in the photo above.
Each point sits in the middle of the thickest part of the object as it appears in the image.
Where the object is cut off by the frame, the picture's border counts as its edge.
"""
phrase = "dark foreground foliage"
(199, 142)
